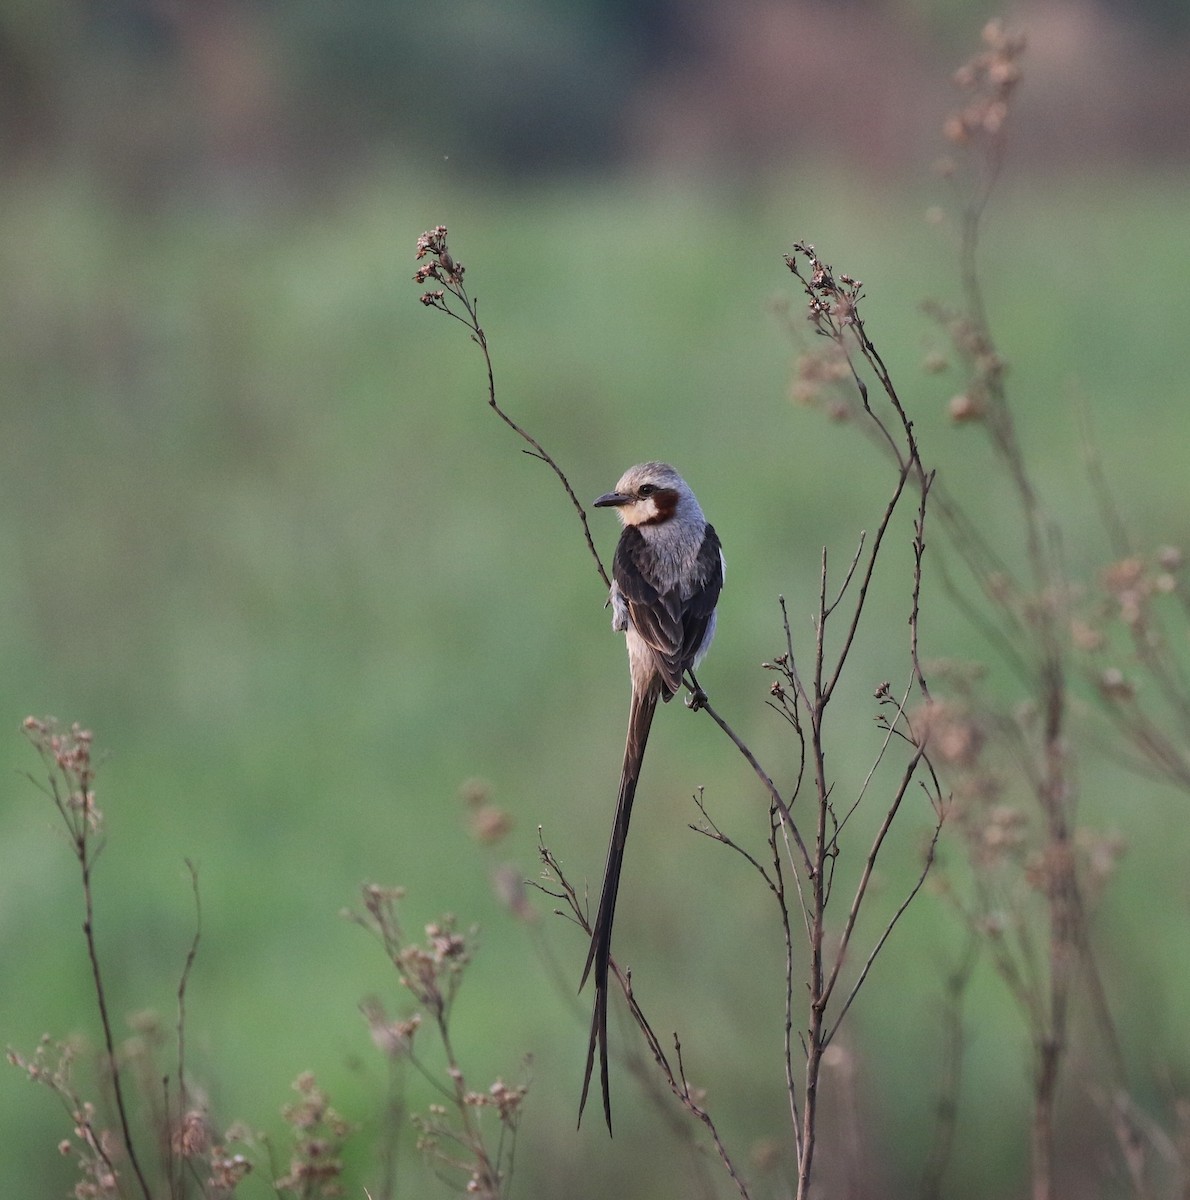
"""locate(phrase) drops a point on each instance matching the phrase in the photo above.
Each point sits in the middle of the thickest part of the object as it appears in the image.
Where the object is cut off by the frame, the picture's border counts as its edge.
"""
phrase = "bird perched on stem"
(666, 578)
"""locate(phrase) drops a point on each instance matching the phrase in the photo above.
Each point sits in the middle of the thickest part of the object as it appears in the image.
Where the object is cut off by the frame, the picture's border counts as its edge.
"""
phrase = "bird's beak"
(612, 500)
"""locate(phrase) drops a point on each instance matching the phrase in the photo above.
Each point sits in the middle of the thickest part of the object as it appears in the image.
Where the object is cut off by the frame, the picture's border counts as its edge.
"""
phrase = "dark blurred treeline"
(157, 95)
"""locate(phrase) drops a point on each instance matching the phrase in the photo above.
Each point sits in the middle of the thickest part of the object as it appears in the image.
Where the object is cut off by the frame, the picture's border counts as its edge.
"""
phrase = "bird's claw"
(697, 699)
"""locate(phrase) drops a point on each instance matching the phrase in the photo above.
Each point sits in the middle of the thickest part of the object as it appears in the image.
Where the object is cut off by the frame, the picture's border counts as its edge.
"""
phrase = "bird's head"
(649, 494)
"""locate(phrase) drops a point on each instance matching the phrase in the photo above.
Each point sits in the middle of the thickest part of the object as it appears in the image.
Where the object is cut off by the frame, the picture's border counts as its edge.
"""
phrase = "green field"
(259, 532)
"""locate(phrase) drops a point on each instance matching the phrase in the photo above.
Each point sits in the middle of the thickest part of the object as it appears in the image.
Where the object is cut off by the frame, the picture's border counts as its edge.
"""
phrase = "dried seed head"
(964, 407)
(1114, 686)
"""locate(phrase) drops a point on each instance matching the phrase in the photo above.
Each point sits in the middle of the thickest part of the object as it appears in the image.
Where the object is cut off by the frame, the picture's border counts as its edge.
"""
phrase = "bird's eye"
(646, 489)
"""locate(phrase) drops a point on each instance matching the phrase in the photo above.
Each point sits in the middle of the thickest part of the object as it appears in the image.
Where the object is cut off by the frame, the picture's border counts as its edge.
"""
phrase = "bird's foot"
(697, 699)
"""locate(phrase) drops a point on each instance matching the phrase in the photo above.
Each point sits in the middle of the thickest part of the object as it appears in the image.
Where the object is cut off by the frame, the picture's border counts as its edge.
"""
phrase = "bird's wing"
(699, 607)
(674, 625)
(655, 615)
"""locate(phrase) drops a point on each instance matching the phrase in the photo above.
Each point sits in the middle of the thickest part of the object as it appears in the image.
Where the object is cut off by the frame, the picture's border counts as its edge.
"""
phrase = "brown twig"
(834, 308)
(183, 1091)
(444, 269)
(834, 313)
(71, 776)
(953, 1043)
(676, 1080)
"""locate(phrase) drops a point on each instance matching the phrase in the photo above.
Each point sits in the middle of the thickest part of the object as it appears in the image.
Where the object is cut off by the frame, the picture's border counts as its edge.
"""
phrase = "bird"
(666, 577)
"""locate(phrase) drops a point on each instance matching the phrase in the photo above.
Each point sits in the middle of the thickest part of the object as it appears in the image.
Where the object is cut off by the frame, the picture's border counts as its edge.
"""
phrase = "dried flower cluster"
(393, 1038)
(98, 1150)
(487, 822)
(431, 971)
(451, 1135)
(973, 348)
(954, 733)
(455, 1153)
(95, 1148)
(1134, 584)
(958, 729)
(227, 1170)
(978, 752)
(127, 1075)
(1122, 621)
(976, 130)
(1127, 635)
(68, 755)
(832, 301)
(316, 1167)
(989, 79)
(819, 378)
(441, 268)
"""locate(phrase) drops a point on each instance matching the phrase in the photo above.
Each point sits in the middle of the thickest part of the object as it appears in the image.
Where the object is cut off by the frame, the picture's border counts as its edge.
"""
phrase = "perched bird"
(666, 577)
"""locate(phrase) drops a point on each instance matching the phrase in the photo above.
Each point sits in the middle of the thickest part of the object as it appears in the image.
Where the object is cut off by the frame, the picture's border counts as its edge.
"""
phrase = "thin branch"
(869, 571)
(900, 912)
(676, 1080)
(859, 549)
(67, 754)
(947, 1107)
(774, 795)
(442, 268)
(183, 1089)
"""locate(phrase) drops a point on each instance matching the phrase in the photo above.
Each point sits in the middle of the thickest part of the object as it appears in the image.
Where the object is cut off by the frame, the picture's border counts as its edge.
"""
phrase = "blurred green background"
(260, 533)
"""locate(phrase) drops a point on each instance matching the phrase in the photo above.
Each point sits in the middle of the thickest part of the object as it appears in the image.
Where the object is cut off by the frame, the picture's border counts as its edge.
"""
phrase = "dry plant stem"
(910, 896)
(393, 1120)
(1150, 749)
(834, 313)
(702, 1115)
(1025, 621)
(433, 973)
(86, 851)
(1149, 642)
(919, 550)
(815, 1043)
(775, 882)
(489, 1175)
(908, 775)
(677, 1081)
(775, 796)
(1055, 789)
(445, 270)
(953, 1042)
(1136, 1134)
(1109, 513)
(183, 981)
(834, 310)
(109, 1043)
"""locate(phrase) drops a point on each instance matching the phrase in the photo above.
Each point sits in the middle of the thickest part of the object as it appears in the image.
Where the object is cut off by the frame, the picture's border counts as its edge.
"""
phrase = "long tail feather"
(640, 720)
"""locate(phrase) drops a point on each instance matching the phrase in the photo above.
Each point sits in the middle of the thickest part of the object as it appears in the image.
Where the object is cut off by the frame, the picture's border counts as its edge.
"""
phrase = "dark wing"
(655, 615)
(672, 624)
(700, 604)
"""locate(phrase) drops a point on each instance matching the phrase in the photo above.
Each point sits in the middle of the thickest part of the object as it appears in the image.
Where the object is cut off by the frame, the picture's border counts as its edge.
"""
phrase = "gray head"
(651, 493)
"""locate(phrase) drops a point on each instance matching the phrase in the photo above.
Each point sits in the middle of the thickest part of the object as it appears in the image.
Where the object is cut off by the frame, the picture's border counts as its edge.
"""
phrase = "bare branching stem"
(834, 313)
(444, 269)
(675, 1077)
(70, 769)
(109, 1039)
(802, 698)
